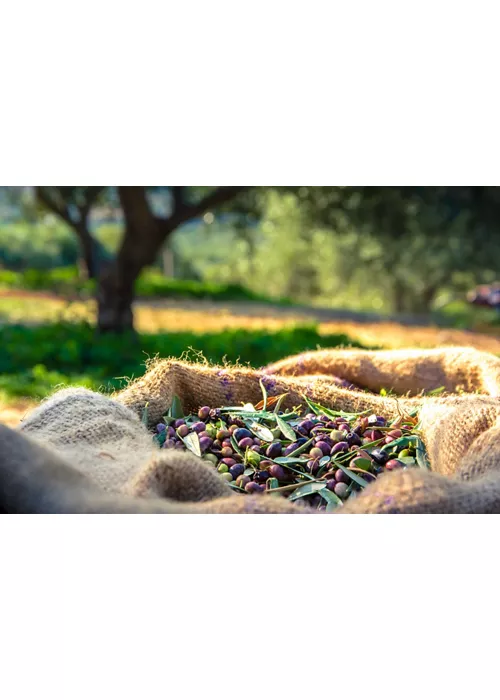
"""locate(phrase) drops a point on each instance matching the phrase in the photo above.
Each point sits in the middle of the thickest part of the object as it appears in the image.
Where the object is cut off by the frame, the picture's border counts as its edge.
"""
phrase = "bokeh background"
(96, 281)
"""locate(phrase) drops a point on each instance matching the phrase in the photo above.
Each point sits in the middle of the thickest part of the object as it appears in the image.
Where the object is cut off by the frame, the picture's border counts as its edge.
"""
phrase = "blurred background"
(96, 281)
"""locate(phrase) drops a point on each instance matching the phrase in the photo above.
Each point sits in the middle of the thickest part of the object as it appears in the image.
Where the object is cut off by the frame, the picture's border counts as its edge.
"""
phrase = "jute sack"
(461, 431)
(104, 440)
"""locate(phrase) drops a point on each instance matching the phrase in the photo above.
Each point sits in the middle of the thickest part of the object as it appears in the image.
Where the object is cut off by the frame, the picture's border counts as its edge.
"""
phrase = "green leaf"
(318, 409)
(352, 475)
(272, 483)
(260, 431)
(287, 431)
(264, 394)
(144, 418)
(175, 410)
(409, 461)
(436, 392)
(235, 446)
(290, 460)
(192, 442)
(307, 490)
(279, 402)
(235, 487)
(404, 441)
(249, 472)
(363, 463)
(332, 500)
(160, 438)
(421, 455)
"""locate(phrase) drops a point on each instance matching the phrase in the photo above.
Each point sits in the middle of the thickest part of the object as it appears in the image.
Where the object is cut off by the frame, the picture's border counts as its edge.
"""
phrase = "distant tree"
(73, 206)
(147, 225)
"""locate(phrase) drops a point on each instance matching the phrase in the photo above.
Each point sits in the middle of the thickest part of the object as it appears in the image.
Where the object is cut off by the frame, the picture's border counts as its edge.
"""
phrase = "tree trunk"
(142, 240)
(91, 250)
(115, 295)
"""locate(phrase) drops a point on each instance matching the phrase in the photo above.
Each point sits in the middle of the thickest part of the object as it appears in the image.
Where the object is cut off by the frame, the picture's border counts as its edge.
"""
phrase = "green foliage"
(34, 245)
(65, 281)
(35, 359)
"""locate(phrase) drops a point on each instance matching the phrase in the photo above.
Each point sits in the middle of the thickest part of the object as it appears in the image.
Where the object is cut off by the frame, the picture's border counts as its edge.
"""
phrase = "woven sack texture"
(104, 439)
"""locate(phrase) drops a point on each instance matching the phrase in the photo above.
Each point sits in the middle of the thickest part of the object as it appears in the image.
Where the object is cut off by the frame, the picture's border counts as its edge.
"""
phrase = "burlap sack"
(461, 432)
(104, 440)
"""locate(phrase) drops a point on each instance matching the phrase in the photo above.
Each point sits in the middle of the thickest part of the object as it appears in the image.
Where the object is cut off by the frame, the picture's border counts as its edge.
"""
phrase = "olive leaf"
(175, 410)
(332, 500)
(260, 431)
(287, 431)
(192, 442)
(352, 475)
(307, 490)
(421, 455)
(264, 395)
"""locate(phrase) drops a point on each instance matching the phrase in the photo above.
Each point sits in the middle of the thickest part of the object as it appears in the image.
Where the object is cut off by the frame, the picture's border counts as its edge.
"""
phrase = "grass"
(36, 359)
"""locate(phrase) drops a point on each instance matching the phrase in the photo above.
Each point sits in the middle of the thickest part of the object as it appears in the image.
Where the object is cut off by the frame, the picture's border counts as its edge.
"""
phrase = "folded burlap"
(104, 441)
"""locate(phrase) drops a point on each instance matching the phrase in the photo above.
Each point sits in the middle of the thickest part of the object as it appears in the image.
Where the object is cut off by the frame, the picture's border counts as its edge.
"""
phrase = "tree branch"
(191, 211)
(61, 210)
(178, 199)
(92, 194)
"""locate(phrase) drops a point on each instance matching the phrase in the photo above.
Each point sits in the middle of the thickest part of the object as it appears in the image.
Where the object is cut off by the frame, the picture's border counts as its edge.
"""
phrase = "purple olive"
(204, 413)
(199, 427)
(291, 448)
(228, 461)
(341, 476)
(242, 481)
(205, 443)
(330, 484)
(236, 470)
(277, 472)
(380, 456)
(353, 439)
(262, 476)
(252, 487)
(394, 464)
(161, 427)
(274, 450)
(245, 442)
(324, 447)
(241, 433)
(179, 422)
(169, 444)
(339, 447)
(305, 427)
(344, 427)
(223, 434)
(256, 449)
(182, 430)
(312, 466)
